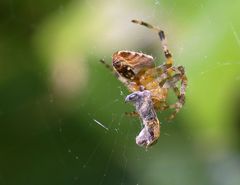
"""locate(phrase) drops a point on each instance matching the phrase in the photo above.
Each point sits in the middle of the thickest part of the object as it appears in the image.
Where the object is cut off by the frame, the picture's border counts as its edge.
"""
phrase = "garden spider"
(136, 70)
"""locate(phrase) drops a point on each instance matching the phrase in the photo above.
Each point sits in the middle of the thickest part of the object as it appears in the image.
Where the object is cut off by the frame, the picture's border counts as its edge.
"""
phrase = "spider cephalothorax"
(137, 70)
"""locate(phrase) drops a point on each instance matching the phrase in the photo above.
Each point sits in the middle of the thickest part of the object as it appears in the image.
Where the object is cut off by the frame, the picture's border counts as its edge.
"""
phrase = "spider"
(137, 70)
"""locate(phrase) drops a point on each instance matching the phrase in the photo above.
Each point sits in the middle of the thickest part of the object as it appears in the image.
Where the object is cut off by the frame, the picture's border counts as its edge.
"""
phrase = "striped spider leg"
(167, 54)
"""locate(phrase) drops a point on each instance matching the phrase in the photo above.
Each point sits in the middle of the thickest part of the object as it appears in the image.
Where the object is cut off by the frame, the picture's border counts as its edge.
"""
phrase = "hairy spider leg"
(107, 65)
(132, 114)
(179, 92)
(168, 55)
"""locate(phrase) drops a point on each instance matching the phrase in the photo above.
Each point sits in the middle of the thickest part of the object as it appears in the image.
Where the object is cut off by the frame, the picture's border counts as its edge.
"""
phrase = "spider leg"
(161, 105)
(132, 114)
(179, 92)
(167, 81)
(178, 105)
(107, 65)
(168, 55)
(170, 82)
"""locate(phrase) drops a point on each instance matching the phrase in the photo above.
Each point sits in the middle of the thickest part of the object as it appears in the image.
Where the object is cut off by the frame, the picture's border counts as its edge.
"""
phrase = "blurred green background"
(52, 88)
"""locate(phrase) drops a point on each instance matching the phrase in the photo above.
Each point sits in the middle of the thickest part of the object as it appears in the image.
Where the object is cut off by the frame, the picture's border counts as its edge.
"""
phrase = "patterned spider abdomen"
(129, 63)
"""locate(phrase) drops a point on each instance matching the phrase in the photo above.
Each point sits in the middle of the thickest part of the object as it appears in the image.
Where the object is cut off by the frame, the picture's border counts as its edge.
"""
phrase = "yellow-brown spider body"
(136, 69)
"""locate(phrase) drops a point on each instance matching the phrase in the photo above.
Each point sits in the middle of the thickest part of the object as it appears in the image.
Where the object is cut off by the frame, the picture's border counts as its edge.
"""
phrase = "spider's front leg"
(161, 34)
(109, 67)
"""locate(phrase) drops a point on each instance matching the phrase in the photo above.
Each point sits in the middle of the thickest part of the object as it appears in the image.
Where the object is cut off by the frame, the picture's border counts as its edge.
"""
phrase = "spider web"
(62, 113)
(130, 159)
